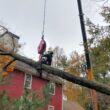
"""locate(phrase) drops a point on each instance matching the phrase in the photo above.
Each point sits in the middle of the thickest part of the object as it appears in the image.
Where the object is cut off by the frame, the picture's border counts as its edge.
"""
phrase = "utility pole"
(88, 62)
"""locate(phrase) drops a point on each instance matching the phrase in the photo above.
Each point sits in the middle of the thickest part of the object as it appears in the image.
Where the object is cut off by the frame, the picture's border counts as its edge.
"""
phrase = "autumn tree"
(72, 65)
(99, 45)
(72, 91)
(9, 43)
(59, 58)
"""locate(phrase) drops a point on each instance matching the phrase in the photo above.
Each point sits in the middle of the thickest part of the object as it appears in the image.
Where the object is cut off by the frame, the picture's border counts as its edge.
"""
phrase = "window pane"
(52, 88)
(51, 107)
(28, 81)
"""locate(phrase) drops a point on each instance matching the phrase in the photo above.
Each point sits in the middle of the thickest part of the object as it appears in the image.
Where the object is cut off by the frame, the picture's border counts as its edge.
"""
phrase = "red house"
(24, 76)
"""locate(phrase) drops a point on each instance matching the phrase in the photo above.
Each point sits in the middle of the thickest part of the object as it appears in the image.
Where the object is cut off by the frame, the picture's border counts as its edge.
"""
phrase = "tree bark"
(67, 76)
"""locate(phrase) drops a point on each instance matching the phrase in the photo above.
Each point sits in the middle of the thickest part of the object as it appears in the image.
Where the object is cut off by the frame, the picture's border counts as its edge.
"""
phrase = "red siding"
(56, 100)
(15, 86)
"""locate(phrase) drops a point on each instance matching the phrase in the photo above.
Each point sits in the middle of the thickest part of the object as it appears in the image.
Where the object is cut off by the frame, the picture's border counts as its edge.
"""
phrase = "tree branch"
(4, 53)
(72, 78)
(9, 64)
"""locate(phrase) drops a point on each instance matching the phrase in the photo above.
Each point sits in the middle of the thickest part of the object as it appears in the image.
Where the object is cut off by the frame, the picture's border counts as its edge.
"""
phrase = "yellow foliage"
(70, 91)
(6, 44)
(10, 68)
(4, 60)
(76, 93)
(5, 74)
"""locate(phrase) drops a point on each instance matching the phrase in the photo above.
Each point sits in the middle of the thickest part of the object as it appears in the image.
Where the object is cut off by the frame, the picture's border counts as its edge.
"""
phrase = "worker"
(47, 58)
(41, 48)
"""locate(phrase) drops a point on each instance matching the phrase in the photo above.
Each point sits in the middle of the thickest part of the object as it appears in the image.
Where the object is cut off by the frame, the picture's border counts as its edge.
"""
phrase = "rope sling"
(43, 30)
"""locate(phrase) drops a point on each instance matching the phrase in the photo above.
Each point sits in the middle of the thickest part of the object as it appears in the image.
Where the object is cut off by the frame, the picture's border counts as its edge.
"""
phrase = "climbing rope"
(43, 30)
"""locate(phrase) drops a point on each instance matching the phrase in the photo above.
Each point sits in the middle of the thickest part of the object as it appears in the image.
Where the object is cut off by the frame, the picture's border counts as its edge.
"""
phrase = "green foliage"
(29, 101)
(99, 45)
(106, 14)
(100, 58)
(46, 93)
(88, 105)
(5, 103)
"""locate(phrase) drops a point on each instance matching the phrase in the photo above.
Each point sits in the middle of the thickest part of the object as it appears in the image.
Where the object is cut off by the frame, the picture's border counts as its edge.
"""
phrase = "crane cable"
(43, 30)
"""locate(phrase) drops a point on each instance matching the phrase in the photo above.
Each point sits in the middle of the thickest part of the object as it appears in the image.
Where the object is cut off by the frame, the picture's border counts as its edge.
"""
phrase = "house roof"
(68, 105)
(13, 35)
(30, 70)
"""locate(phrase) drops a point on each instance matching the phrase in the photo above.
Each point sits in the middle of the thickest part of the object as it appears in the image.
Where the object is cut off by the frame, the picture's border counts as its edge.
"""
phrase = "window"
(50, 107)
(28, 81)
(52, 88)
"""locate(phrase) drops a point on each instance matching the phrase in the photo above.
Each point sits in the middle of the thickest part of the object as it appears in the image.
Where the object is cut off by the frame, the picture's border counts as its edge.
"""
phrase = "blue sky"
(25, 17)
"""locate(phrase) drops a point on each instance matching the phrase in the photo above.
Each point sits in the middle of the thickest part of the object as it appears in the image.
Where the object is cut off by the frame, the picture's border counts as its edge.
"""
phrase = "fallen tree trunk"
(69, 77)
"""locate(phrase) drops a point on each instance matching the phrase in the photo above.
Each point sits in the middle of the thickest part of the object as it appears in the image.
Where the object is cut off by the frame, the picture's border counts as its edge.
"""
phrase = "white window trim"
(50, 106)
(54, 88)
(30, 82)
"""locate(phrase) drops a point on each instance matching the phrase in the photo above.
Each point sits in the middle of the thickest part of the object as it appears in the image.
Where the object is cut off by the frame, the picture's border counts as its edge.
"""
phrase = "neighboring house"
(9, 41)
(24, 76)
(68, 105)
